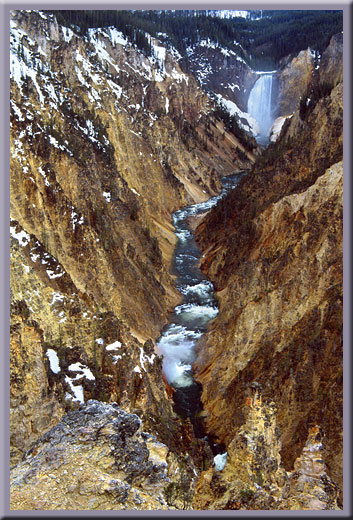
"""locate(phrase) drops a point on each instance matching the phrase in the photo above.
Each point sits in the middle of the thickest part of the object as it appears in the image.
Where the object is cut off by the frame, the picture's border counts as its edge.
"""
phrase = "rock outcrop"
(331, 69)
(96, 457)
(222, 71)
(106, 142)
(273, 250)
(254, 477)
(293, 81)
(296, 78)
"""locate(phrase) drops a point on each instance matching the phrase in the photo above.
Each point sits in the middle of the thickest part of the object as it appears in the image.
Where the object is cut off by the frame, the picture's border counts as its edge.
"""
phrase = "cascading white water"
(260, 106)
(189, 320)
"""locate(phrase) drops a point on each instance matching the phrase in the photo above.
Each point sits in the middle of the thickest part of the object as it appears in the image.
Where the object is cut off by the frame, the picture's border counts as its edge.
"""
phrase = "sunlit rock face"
(105, 143)
(296, 77)
(293, 81)
(273, 250)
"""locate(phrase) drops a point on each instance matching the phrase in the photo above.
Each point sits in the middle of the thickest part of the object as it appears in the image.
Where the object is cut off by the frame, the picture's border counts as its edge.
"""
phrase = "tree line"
(262, 42)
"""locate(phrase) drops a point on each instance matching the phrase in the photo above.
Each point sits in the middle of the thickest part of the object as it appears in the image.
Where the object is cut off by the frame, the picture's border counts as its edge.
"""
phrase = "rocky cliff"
(295, 78)
(105, 143)
(292, 81)
(254, 478)
(222, 71)
(273, 250)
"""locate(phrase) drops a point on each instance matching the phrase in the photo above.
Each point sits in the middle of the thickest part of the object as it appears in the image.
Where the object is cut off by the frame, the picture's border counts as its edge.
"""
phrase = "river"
(189, 320)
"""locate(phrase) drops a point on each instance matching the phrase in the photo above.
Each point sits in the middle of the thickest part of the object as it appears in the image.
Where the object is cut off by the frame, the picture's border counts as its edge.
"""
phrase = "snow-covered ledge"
(277, 127)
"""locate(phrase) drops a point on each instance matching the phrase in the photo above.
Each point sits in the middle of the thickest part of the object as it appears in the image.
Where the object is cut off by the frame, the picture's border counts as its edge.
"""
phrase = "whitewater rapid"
(190, 319)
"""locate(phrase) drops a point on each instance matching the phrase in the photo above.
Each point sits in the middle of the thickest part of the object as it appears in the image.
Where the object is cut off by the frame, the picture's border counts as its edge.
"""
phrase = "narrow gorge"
(176, 221)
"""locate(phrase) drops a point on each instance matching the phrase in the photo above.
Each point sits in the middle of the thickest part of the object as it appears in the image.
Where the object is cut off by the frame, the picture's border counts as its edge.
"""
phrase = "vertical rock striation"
(292, 82)
(254, 477)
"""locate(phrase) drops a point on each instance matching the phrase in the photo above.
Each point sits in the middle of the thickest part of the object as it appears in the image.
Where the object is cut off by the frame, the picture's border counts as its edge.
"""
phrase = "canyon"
(107, 143)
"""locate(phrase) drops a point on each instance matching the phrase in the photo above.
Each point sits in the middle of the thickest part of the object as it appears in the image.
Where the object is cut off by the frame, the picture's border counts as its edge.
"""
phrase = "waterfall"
(260, 106)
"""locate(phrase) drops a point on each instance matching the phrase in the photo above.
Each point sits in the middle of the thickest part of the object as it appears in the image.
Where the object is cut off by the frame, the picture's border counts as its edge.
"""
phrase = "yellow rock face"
(293, 81)
(274, 253)
(254, 477)
(103, 150)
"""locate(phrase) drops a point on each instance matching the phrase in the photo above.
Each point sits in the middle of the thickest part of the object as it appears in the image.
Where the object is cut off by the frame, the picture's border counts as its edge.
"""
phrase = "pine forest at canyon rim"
(176, 260)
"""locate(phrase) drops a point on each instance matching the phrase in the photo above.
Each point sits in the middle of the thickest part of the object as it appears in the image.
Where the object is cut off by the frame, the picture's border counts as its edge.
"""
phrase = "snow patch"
(233, 109)
(53, 360)
(220, 461)
(34, 257)
(94, 36)
(134, 191)
(277, 127)
(51, 274)
(77, 390)
(113, 346)
(85, 371)
(26, 268)
(107, 196)
(22, 237)
(144, 358)
(117, 90)
(68, 33)
(42, 172)
(116, 37)
(57, 297)
(17, 111)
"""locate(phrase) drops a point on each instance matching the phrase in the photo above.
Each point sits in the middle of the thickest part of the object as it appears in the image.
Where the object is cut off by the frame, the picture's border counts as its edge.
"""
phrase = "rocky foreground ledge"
(99, 458)
(96, 457)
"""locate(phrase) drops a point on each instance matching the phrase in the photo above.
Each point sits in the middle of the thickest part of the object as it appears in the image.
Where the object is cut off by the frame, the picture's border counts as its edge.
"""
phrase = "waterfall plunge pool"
(189, 320)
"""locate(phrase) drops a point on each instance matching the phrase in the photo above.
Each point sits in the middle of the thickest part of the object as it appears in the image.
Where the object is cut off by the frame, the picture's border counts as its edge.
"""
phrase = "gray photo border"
(5, 7)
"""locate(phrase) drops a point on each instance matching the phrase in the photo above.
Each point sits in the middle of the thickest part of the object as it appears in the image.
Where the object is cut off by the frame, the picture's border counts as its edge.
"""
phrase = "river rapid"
(189, 320)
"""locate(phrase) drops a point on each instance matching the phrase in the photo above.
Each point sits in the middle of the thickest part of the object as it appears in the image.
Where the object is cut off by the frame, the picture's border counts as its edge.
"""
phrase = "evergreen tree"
(276, 35)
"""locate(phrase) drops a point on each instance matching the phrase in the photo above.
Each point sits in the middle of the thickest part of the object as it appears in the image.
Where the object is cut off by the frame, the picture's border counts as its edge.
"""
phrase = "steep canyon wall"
(273, 250)
(105, 144)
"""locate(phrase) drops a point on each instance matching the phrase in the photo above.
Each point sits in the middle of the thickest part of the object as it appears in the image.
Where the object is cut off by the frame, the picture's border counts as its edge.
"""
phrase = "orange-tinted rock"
(273, 250)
